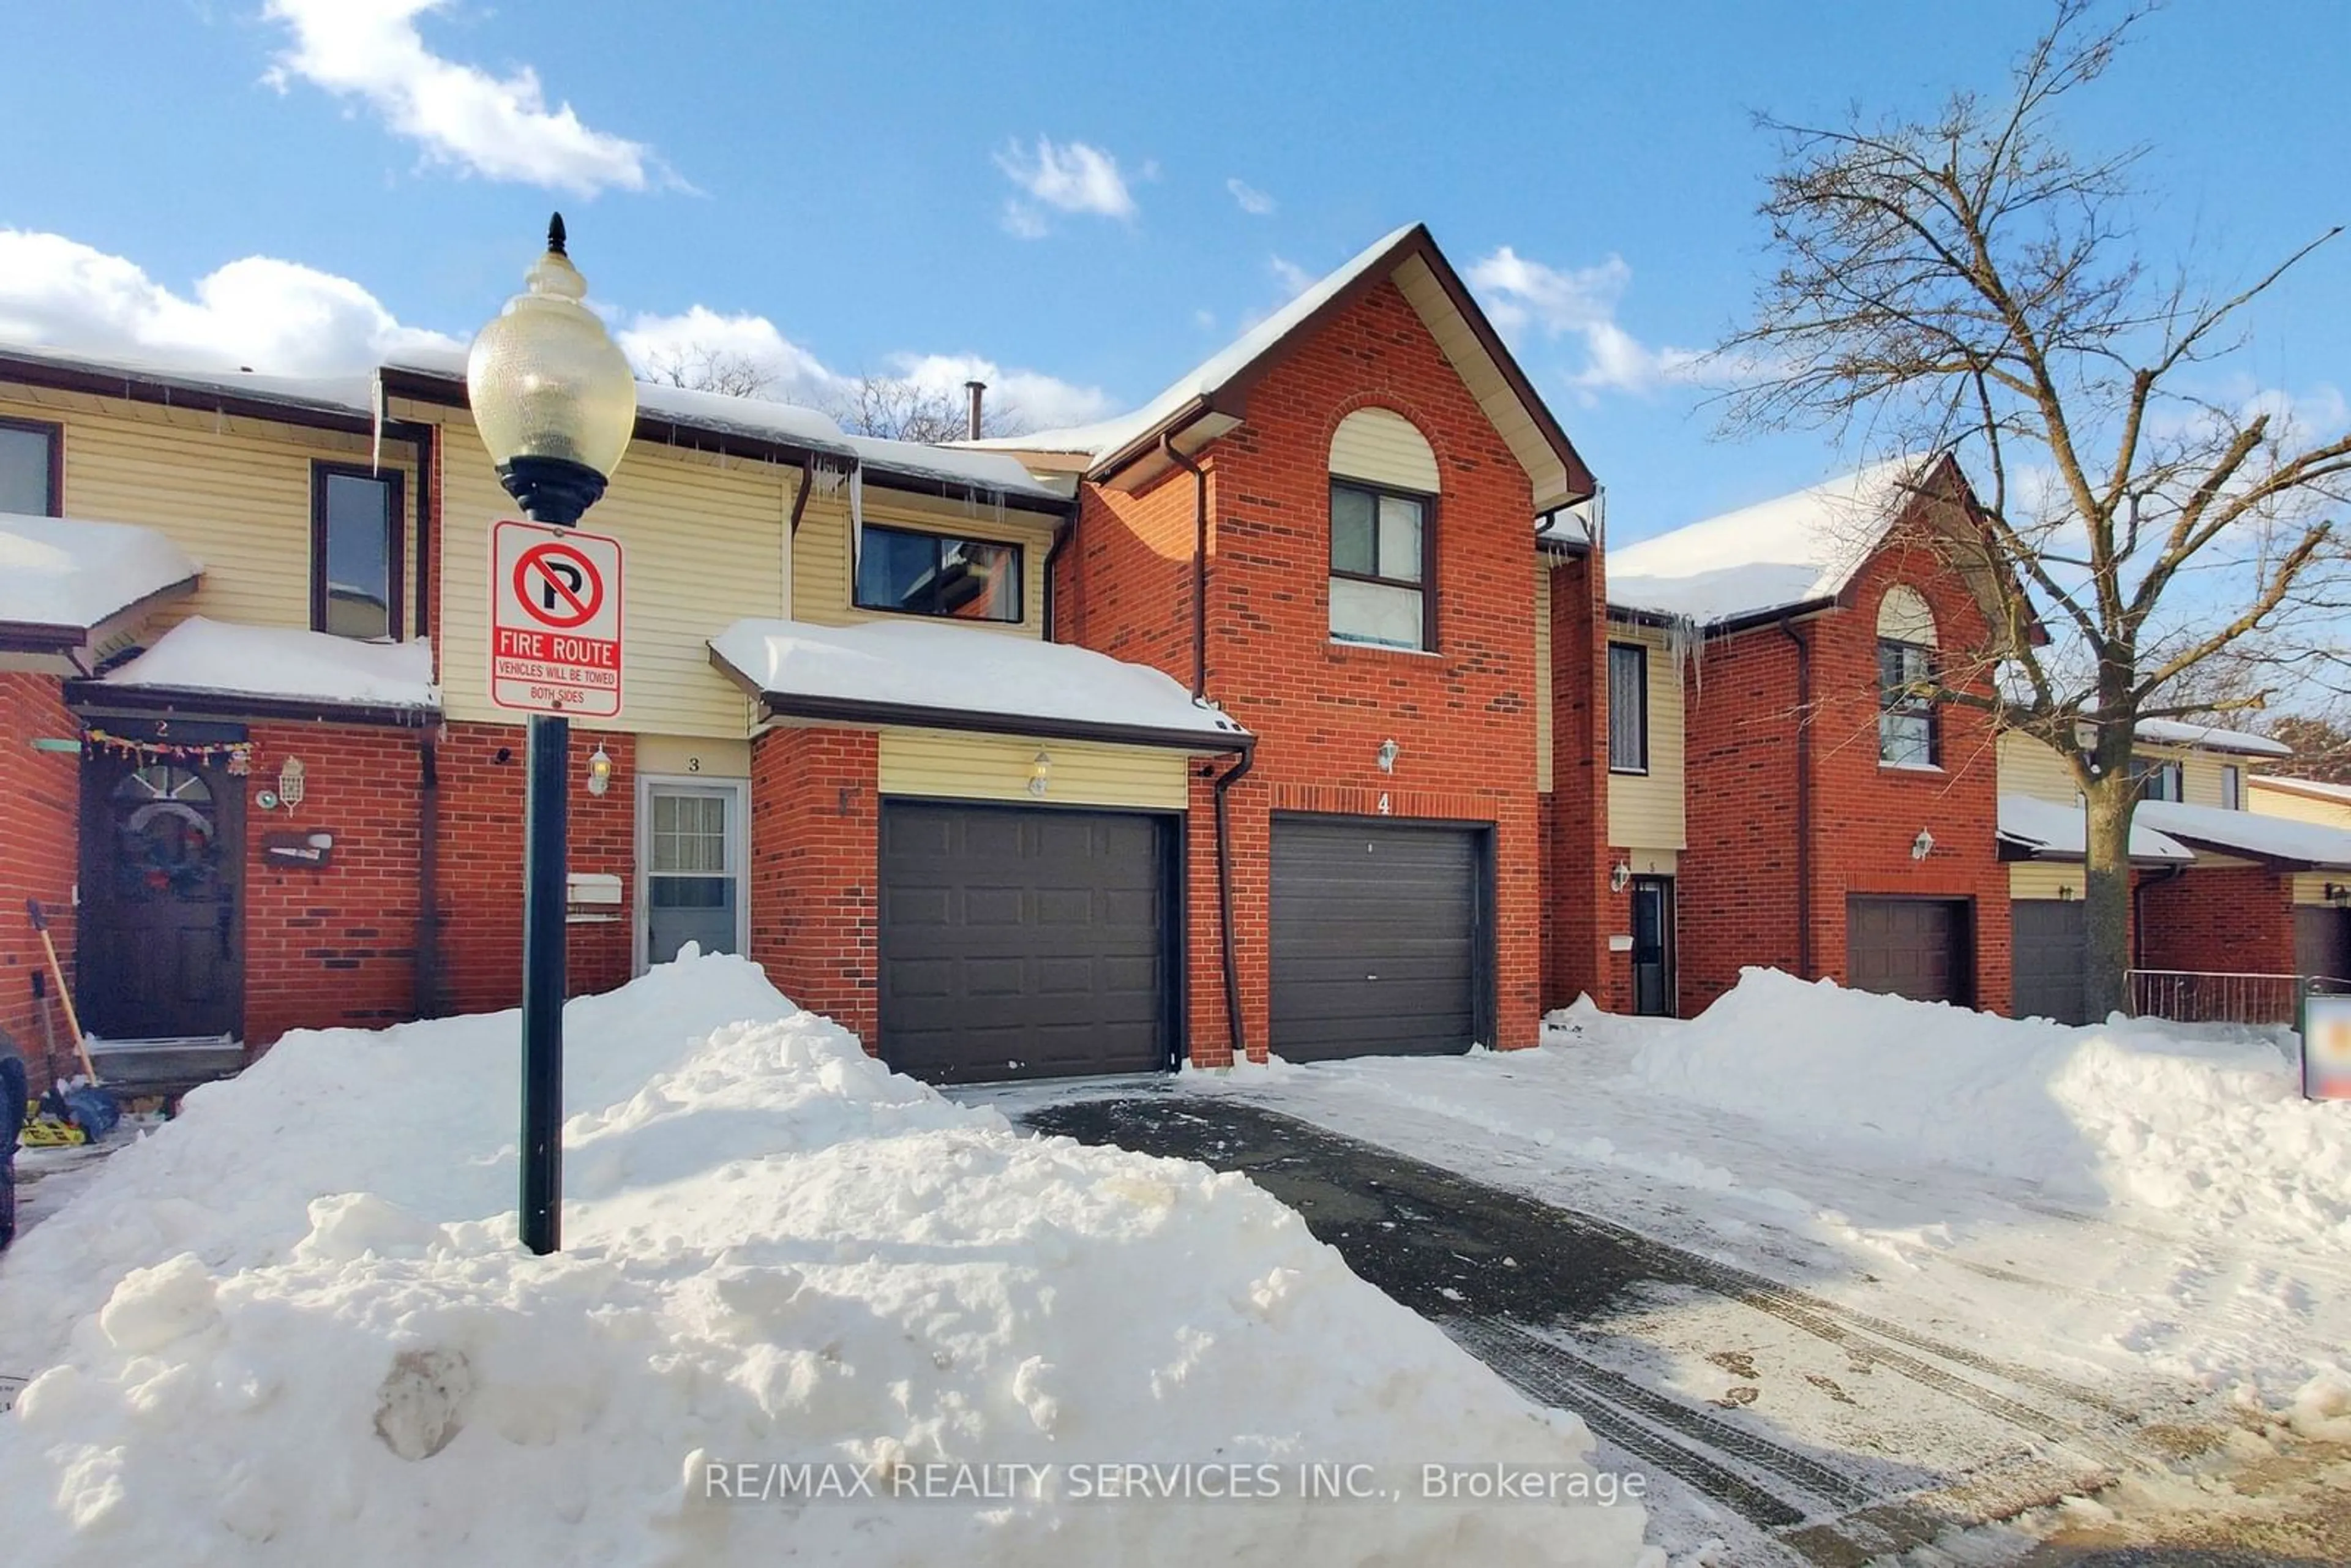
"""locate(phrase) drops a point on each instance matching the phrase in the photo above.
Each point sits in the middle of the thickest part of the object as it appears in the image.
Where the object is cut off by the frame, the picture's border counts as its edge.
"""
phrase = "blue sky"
(839, 185)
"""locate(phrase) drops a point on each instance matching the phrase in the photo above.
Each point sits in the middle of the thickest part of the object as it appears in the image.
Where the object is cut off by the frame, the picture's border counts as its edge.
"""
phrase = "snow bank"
(295, 1327)
(2209, 1127)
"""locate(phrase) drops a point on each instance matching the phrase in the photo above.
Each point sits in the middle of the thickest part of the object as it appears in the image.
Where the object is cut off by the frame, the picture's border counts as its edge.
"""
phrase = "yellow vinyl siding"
(940, 763)
(1647, 810)
(705, 537)
(1652, 862)
(1542, 674)
(693, 758)
(2301, 808)
(2045, 879)
(233, 492)
(1383, 447)
(820, 585)
(2029, 767)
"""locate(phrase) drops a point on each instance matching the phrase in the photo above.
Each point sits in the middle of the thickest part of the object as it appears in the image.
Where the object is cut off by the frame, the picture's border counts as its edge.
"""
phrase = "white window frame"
(2232, 786)
(739, 849)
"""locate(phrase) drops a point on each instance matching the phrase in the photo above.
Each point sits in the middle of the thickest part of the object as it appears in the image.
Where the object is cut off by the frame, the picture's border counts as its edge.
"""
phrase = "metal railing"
(2197, 996)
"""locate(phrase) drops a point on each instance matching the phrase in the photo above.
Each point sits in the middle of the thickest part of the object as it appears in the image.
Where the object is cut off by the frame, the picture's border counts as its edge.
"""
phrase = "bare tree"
(699, 367)
(1966, 282)
(901, 409)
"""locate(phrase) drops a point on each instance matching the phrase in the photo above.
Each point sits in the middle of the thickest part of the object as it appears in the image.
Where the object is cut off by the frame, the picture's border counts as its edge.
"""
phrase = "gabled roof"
(2314, 789)
(1213, 396)
(61, 578)
(1792, 553)
(939, 676)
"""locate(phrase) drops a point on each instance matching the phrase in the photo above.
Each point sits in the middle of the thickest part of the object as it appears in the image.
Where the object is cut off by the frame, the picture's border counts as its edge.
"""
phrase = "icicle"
(856, 518)
(1685, 646)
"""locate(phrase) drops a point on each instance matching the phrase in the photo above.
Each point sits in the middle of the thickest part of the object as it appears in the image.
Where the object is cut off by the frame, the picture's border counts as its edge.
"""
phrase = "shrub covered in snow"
(295, 1326)
(2205, 1123)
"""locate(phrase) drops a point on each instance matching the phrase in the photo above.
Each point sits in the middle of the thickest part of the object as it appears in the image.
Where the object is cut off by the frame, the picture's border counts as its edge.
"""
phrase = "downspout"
(1063, 531)
(1804, 799)
(1230, 776)
(1200, 567)
(427, 967)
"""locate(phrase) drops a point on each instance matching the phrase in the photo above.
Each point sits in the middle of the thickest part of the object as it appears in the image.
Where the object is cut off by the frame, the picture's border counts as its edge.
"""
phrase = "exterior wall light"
(290, 783)
(1620, 876)
(1040, 773)
(1922, 845)
(1389, 752)
(600, 771)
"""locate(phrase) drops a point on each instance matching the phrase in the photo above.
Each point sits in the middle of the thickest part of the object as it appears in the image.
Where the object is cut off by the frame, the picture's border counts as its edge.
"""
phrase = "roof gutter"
(181, 702)
(165, 391)
(915, 715)
(1199, 563)
(1803, 798)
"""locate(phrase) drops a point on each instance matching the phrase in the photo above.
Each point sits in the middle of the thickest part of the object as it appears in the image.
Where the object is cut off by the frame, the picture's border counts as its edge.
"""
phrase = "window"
(355, 546)
(2232, 786)
(1628, 708)
(31, 468)
(1377, 561)
(1908, 734)
(938, 574)
(2155, 780)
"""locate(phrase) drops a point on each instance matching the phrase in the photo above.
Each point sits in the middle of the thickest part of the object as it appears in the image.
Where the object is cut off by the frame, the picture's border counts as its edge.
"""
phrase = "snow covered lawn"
(2151, 1201)
(295, 1326)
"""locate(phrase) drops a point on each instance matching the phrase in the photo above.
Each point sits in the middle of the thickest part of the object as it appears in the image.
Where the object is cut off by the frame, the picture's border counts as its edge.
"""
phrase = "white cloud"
(1067, 177)
(1254, 202)
(1036, 400)
(275, 317)
(498, 128)
(282, 317)
(1295, 279)
(1524, 295)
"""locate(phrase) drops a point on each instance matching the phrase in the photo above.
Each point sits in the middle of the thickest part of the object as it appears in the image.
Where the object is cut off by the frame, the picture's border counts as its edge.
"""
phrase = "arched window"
(1383, 486)
(1909, 731)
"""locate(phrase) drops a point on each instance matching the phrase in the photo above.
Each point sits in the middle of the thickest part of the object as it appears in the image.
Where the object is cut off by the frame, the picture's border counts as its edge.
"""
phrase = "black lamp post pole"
(554, 492)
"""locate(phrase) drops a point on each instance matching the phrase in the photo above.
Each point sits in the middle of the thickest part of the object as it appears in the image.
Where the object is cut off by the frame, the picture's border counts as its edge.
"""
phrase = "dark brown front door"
(2322, 943)
(161, 934)
(1915, 947)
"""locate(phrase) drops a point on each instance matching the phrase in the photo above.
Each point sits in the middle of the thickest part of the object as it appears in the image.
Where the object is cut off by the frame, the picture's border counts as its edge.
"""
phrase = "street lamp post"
(555, 404)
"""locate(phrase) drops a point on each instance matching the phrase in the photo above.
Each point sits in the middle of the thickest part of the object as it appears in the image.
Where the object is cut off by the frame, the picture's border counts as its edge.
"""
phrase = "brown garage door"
(1915, 947)
(1020, 942)
(2051, 945)
(1377, 938)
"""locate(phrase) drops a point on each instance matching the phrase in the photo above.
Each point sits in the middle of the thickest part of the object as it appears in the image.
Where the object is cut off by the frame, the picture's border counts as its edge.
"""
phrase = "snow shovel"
(58, 975)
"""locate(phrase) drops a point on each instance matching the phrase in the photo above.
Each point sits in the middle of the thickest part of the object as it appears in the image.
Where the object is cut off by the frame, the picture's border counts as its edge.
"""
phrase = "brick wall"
(334, 944)
(1738, 887)
(39, 813)
(1577, 904)
(2229, 919)
(814, 859)
(482, 807)
(1463, 717)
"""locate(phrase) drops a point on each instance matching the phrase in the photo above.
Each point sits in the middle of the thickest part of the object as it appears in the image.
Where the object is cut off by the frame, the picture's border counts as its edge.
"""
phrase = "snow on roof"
(2053, 831)
(283, 664)
(766, 418)
(2317, 788)
(63, 572)
(987, 675)
(354, 395)
(1796, 549)
(1101, 439)
(2313, 846)
(2175, 732)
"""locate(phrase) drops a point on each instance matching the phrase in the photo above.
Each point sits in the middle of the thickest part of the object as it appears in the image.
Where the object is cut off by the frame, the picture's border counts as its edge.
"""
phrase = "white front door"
(690, 863)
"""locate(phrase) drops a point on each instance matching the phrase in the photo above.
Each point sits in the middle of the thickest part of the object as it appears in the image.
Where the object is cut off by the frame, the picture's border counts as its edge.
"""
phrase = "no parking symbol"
(555, 621)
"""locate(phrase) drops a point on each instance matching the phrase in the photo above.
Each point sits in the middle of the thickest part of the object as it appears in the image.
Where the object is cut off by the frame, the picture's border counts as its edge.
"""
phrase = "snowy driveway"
(1762, 1413)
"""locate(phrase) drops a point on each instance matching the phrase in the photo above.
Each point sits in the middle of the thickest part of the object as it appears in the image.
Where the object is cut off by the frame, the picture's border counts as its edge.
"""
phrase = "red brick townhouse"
(1772, 797)
(972, 752)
